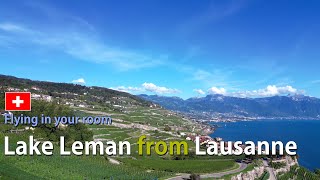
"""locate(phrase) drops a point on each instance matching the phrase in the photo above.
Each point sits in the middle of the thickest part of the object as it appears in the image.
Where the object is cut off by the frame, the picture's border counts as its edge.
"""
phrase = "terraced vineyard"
(298, 173)
(126, 126)
(132, 117)
(154, 130)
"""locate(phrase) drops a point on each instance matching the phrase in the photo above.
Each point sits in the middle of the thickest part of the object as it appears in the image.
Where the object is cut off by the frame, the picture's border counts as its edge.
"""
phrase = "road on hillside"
(270, 170)
(241, 167)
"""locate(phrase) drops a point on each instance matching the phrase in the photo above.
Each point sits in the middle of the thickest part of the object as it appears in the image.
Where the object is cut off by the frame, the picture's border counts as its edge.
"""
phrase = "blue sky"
(176, 48)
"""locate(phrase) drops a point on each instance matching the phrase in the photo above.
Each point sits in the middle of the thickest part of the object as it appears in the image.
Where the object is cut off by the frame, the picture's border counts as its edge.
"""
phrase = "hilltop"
(74, 92)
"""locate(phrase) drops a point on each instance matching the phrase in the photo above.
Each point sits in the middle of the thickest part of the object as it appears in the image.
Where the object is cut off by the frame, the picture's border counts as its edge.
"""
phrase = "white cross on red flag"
(18, 101)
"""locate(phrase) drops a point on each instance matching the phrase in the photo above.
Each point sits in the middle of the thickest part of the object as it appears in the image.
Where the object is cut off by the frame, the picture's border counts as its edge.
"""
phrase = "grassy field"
(182, 166)
(66, 167)
(98, 167)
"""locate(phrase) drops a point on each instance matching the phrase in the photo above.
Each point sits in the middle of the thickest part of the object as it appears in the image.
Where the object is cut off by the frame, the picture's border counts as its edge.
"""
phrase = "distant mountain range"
(291, 106)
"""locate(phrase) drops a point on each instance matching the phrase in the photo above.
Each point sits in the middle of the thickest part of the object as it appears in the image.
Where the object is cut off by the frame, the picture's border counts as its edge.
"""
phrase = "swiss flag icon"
(18, 101)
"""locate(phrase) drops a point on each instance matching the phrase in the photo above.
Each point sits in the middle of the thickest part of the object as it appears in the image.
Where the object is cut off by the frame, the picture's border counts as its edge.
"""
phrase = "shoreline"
(305, 159)
(264, 118)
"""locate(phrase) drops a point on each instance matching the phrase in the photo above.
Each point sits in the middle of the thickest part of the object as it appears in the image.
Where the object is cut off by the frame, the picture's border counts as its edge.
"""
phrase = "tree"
(167, 128)
(74, 132)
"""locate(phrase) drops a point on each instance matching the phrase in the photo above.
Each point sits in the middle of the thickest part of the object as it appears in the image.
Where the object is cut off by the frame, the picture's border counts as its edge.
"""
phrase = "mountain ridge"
(295, 106)
(69, 91)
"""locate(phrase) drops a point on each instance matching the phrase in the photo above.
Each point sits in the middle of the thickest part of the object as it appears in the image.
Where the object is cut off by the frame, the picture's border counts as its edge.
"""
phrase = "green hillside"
(132, 117)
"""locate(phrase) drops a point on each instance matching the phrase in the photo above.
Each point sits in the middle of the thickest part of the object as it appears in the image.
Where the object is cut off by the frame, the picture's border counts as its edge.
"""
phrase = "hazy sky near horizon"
(245, 48)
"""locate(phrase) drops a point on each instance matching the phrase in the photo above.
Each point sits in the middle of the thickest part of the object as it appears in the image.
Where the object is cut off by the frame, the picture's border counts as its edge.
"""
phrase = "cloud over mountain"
(270, 90)
(148, 87)
(79, 81)
(199, 91)
(216, 90)
(159, 89)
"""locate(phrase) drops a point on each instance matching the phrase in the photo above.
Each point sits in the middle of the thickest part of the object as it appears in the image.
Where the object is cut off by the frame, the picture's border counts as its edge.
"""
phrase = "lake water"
(305, 133)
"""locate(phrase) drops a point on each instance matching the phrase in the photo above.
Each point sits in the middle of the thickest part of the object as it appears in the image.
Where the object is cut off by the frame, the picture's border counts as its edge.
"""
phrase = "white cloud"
(9, 27)
(199, 91)
(315, 81)
(79, 81)
(218, 77)
(158, 89)
(216, 90)
(270, 90)
(82, 44)
(213, 13)
(128, 89)
(201, 75)
(147, 87)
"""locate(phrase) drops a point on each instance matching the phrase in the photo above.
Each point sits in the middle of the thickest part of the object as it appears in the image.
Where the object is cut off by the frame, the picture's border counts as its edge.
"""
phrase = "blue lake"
(305, 133)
